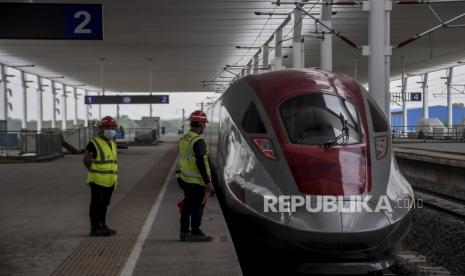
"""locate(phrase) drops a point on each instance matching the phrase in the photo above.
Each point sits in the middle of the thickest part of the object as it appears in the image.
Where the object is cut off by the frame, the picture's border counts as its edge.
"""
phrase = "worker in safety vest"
(193, 176)
(100, 159)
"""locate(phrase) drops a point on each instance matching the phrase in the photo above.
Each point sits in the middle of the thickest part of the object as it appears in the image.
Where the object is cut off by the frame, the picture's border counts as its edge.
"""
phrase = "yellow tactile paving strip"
(107, 255)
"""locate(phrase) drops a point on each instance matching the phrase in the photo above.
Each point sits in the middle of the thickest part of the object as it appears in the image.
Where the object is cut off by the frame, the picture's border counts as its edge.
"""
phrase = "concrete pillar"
(377, 51)
(298, 56)
(255, 64)
(326, 45)
(117, 112)
(24, 101)
(54, 104)
(40, 104)
(425, 96)
(278, 49)
(450, 77)
(151, 108)
(64, 110)
(150, 84)
(387, 59)
(86, 118)
(75, 96)
(100, 106)
(266, 56)
(404, 104)
(356, 65)
(3, 95)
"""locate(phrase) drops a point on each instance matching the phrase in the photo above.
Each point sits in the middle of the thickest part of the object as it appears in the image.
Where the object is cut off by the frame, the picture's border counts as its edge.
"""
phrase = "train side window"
(379, 121)
(252, 122)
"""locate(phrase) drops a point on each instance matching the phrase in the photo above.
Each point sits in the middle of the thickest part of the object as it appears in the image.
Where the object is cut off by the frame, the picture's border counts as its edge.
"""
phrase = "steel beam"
(298, 56)
(75, 96)
(425, 96)
(255, 64)
(377, 51)
(64, 111)
(54, 104)
(40, 104)
(450, 77)
(3, 94)
(86, 120)
(24, 100)
(249, 68)
(326, 44)
(278, 49)
(404, 103)
(266, 55)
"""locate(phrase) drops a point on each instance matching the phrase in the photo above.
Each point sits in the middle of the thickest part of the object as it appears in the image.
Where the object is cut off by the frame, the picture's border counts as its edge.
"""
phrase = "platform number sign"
(83, 21)
(51, 21)
(165, 99)
(415, 96)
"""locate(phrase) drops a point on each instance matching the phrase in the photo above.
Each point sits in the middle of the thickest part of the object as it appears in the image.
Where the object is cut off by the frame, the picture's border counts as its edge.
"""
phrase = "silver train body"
(265, 140)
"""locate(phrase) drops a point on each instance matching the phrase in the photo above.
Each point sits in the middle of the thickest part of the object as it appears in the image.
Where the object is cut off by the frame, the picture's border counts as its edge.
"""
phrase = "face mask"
(109, 133)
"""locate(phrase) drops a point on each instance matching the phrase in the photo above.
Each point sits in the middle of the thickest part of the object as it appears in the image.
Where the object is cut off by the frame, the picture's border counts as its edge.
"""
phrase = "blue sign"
(51, 21)
(415, 96)
(127, 99)
(83, 22)
(119, 134)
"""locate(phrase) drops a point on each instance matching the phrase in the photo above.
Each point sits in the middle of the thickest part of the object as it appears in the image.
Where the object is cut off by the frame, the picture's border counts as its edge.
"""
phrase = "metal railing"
(416, 134)
(30, 144)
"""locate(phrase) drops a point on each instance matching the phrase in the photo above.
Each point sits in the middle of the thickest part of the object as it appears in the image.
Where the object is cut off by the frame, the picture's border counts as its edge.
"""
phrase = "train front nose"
(358, 234)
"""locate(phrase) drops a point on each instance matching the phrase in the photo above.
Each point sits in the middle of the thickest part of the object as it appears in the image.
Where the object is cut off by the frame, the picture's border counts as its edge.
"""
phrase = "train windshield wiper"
(344, 135)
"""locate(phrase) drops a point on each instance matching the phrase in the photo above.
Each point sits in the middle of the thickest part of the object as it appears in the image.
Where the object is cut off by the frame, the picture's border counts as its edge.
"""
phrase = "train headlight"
(265, 146)
(381, 143)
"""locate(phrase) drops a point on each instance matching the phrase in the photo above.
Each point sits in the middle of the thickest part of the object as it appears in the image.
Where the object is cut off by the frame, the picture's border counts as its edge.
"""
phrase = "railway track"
(450, 205)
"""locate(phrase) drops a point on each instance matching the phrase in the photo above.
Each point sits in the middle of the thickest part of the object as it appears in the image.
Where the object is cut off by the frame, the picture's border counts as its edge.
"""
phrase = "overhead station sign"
(127, 99)
(51, 21)
(409, 96)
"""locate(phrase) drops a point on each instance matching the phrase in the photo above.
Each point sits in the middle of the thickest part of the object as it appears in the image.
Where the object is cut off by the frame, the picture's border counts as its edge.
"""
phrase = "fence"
(30, 144)
(416, 134)
(78, 138)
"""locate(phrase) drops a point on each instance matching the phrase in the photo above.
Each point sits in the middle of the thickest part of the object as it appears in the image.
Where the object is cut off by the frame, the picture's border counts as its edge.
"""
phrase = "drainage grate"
(107, 255)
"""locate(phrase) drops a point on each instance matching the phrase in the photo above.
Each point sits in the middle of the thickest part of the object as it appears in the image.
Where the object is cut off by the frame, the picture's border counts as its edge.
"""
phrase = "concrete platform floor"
(453, 148)
(44, 210)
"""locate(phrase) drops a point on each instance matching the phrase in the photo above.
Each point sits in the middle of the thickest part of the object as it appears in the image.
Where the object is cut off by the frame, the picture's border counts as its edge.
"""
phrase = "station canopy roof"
(191, 41)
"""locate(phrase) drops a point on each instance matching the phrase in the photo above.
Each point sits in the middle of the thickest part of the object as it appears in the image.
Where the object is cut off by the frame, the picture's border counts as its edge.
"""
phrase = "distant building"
(414, 115)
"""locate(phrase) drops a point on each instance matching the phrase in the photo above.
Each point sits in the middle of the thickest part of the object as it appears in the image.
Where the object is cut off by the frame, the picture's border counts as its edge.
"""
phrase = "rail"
(30, 144)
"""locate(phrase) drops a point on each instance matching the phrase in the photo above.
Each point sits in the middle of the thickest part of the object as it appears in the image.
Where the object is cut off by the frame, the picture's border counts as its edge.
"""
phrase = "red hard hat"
(108, 122)
(198, 116)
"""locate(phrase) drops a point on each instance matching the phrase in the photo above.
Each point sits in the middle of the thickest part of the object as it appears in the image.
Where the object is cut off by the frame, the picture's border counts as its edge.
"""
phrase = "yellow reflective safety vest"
(103, 169)
(187, 167)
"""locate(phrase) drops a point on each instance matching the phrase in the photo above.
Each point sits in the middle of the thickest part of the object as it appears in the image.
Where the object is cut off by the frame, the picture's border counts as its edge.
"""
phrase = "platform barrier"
(415, 134)
(30, 145)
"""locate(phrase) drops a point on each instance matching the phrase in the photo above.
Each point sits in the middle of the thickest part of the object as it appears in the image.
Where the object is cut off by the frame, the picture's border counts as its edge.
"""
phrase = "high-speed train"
(310, 133)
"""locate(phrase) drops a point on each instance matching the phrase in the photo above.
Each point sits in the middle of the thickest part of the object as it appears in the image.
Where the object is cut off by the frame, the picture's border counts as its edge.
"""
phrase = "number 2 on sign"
(81, 28)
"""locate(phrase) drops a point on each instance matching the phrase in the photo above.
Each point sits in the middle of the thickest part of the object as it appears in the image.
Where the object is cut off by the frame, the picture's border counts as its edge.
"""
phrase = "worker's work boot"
(99, 232)
(199, 237)
(183, 236)
(112, 231)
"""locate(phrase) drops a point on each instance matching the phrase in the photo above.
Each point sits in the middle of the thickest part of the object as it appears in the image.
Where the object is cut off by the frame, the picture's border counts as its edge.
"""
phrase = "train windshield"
(315, 119)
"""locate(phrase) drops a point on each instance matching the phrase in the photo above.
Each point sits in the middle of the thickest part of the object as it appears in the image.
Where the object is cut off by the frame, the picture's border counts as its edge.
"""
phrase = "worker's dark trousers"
(100, 199)
(192, 209)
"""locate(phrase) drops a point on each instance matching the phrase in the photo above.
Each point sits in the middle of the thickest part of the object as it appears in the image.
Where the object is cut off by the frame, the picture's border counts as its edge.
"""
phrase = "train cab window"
(315, 119)
(379, 122)
(252, 122)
